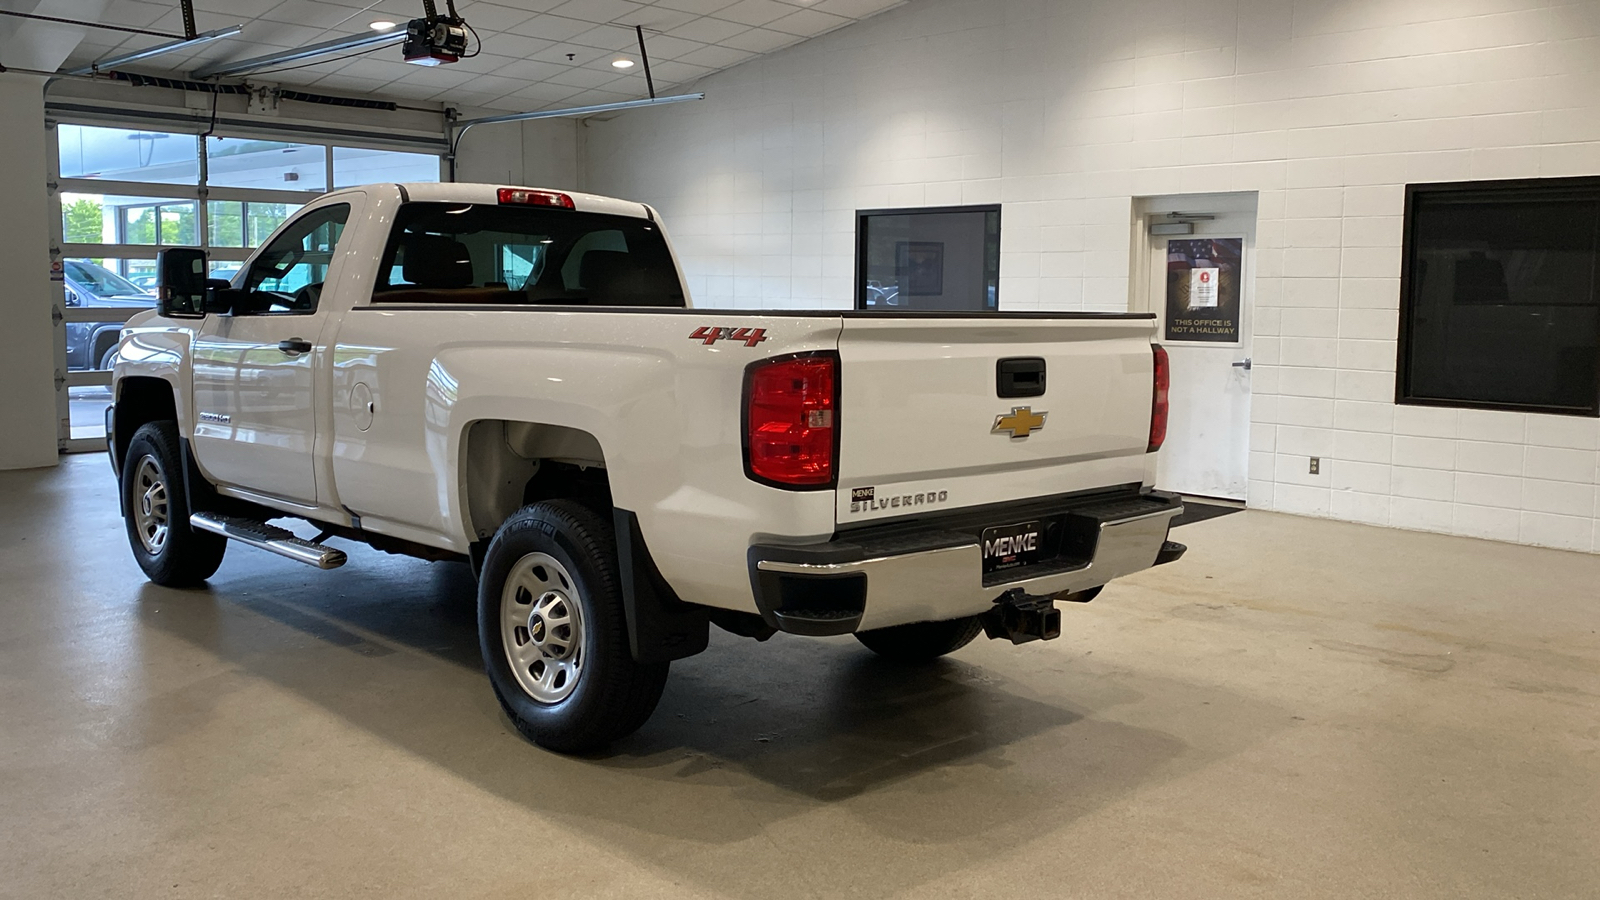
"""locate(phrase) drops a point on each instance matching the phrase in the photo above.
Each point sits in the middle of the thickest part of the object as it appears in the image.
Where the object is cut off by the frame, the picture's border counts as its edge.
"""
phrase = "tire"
(170, 552)
(108, 355)
(553, 633)
(921, 641)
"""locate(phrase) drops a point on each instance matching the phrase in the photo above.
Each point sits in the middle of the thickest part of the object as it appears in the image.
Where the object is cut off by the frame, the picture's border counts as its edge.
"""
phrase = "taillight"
(1158, 406)
(525, 197)
(789, 420)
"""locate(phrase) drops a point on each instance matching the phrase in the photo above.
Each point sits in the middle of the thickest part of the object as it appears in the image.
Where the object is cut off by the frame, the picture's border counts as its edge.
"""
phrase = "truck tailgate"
(920, 404)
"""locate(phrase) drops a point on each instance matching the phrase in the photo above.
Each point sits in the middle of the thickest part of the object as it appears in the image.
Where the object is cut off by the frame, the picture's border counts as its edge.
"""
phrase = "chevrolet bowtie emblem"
(1022, 422)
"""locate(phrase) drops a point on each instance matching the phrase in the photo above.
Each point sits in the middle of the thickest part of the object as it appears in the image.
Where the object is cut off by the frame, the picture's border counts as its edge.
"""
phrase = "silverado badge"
(1022, 422)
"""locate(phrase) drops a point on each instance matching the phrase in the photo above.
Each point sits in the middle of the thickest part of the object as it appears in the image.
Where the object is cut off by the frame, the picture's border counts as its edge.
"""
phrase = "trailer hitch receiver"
(1022, 618)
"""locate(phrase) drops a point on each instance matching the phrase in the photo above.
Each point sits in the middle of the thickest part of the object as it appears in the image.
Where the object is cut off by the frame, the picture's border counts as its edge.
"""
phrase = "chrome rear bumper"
(893, 576)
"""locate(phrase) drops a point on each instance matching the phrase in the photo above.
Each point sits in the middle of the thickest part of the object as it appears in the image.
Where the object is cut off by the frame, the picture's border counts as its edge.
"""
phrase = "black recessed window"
(1500, 296)
(933, 258)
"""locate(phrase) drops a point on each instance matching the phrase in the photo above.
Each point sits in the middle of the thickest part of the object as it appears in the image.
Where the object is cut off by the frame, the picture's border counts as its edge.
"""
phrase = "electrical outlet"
(1316, 465)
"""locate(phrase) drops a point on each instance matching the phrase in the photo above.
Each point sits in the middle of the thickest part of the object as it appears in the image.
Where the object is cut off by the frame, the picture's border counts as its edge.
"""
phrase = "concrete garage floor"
(1299, 708)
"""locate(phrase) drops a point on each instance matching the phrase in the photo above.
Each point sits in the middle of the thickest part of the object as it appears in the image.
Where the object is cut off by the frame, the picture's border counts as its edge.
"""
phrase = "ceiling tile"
(242, 9)
(717, 57)
(552, 28)
(665, 46)
(314, 13)
(599, 12)
(655, 18)
(493, 16)
(544, 92)
(608, 37)
(808, 23)
(531, 70)
(584, 78)
(261, 31)
(856, 9)
(760, 40)
(515, 46)
(495, 84)
(755, 12)
(699, 7)
(595, 98)
(172, 22)
(707, 30)
(676, 72)
(133, 14)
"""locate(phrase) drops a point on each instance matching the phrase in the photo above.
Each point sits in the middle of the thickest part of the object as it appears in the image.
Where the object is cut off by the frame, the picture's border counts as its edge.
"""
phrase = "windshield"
(486, 254)
(102, 282)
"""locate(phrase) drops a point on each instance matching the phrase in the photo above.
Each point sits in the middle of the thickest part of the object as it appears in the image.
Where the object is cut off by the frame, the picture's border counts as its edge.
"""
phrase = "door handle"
(1243, 365)
(295, 345)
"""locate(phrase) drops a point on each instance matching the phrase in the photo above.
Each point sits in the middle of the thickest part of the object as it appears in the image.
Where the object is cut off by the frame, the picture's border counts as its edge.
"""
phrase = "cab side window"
(287, 277)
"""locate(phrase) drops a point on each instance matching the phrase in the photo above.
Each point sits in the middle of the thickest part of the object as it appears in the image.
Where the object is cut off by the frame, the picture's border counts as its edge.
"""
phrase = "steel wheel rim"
(542, 628)
(151, 509)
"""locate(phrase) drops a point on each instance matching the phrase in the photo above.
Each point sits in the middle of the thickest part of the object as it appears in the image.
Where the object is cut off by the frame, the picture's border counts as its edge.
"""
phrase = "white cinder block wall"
(1063, 111)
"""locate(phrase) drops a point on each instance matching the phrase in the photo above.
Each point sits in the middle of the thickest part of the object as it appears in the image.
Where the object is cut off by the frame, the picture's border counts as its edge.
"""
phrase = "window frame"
(862, 239)
(1510, 188)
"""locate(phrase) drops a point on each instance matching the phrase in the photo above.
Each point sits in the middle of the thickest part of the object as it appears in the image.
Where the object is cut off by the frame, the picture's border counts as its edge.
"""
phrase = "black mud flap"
(661, 627)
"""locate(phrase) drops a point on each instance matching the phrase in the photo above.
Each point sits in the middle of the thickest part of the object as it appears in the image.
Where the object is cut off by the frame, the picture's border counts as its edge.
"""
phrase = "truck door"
(255, 377)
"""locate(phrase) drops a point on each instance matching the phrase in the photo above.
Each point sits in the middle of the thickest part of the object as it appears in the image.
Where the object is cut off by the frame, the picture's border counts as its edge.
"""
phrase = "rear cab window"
(486, 254)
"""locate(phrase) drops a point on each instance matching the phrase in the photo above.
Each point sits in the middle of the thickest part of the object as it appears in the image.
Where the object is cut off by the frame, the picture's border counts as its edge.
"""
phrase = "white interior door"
(1207, 452)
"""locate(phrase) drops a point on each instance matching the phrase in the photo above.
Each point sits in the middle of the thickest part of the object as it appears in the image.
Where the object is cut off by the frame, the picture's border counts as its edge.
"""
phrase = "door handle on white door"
(1243, 365)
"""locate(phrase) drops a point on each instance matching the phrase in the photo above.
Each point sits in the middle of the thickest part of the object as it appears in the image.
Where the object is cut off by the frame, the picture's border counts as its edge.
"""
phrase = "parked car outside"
(90, 345)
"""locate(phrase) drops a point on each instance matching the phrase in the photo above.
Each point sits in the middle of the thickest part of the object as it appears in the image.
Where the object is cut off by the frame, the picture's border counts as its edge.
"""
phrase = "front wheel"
(921, 641)
(170, 552)
(553, 634)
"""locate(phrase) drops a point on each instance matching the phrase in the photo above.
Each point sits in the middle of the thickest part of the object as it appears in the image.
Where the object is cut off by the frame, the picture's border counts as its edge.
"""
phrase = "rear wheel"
(921, 641)
(553, 634)
(166, 548)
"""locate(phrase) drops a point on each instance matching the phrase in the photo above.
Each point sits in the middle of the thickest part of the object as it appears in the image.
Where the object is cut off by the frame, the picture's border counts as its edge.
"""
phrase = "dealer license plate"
(1012, 546)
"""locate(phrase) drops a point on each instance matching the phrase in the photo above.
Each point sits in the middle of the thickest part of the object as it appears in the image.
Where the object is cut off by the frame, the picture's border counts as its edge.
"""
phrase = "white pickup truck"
(517, 378)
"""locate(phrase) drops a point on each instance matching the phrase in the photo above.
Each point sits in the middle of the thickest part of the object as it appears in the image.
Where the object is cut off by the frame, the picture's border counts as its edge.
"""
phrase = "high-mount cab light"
(525, 197)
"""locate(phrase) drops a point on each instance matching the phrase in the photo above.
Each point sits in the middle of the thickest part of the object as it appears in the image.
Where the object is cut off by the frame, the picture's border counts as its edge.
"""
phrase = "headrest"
(600, 267)
(436, 261)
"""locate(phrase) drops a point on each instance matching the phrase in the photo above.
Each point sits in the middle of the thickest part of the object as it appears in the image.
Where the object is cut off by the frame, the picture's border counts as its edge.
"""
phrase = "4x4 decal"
(710, 335)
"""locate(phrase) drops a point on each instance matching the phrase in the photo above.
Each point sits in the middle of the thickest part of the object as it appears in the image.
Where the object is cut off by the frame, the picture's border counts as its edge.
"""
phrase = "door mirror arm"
(222, 300)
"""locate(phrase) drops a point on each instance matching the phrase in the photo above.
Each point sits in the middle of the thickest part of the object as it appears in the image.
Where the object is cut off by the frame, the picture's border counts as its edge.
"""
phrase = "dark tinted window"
(1500, 307)
(477, 253)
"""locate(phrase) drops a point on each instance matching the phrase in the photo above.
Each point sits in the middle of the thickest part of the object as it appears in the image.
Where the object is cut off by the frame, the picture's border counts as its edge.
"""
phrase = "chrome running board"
(270, 538)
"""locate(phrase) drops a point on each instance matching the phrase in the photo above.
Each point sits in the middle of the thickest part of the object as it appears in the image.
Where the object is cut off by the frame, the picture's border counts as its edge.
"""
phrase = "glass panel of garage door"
(126, 154)
(122, 287)
(123, 219)
(353, 166)
(266, 165)
(244, 224)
